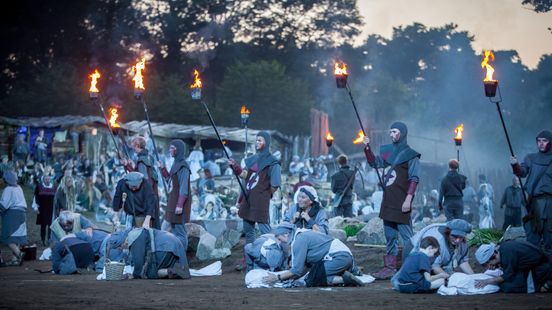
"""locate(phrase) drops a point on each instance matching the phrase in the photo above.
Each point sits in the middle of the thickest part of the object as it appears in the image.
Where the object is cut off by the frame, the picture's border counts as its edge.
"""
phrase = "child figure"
(414, 276)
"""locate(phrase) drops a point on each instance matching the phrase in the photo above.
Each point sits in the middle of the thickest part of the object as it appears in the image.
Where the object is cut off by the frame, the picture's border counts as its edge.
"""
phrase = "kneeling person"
(331, 261)
(71, 253)
(414, 276)
(264, 253)
(157, 254)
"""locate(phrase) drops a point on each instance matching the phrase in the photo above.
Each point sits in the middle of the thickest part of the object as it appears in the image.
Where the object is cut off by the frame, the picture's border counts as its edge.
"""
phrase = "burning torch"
(94, 94)
(341, 75)
(195, 91)
(491, 86)
(329, 139)
(244, 113)
(458, 139)
(139, 90)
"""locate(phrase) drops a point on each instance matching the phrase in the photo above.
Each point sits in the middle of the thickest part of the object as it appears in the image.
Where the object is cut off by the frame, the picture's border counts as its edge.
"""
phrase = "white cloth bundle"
(464, 284)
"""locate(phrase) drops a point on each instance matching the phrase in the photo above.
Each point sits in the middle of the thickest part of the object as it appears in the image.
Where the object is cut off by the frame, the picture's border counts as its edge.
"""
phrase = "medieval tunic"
(139, 203)
(12, 208)
(259, 190)
(44, 198)
(265, 253)
(451, 191)
(537, 168)
(144, 165)
(180, 186)
(513, 201)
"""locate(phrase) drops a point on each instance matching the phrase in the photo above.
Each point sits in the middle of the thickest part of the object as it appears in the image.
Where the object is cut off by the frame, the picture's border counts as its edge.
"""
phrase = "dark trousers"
(43, 228)
(539, 228)
(344, 210)
(454, 209)
(512, 216)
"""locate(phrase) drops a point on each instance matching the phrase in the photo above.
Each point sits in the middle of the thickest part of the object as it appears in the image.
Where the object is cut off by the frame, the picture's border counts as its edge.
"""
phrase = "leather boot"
(389, 268)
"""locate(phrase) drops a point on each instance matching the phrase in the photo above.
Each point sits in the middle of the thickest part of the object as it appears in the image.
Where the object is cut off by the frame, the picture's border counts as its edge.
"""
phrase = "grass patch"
(352, 229)
(485, 235)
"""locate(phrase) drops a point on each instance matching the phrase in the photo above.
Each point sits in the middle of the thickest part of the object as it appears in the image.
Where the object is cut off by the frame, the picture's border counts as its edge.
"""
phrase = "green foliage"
(485, 235)
(352, 229)
(276, 100)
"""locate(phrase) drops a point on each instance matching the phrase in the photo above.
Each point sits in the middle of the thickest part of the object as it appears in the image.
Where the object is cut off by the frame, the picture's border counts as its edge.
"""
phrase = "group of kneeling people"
(300, 252)
(300, 249)
(79, 244)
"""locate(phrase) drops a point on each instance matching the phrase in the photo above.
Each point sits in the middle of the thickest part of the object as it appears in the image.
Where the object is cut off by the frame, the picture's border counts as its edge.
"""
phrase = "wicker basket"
(114, 271)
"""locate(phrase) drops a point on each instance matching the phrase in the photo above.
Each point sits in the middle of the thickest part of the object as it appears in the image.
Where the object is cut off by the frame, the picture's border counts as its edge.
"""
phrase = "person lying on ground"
(156, 254)
(415, 274)
(308, 212)
(330, 260)
(265, 253)
(516, 258)
(95, 239)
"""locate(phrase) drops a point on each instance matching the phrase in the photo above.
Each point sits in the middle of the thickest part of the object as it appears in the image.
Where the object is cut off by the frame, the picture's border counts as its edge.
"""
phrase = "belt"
(543, 196)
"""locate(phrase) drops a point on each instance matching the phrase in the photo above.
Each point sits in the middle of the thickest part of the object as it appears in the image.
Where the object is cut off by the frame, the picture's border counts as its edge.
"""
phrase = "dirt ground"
(24, 288)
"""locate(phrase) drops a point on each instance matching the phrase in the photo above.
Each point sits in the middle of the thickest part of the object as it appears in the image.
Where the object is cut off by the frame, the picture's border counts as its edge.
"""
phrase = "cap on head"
(10, 177)
(134, 179)
(459, 227)
(484, 253)
(284, 228)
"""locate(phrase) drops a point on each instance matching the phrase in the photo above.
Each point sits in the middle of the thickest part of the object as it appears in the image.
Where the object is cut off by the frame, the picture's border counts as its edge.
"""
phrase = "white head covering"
(484, 253)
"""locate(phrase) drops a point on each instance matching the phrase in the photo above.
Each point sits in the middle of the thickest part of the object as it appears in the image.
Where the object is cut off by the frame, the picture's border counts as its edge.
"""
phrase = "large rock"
(228, 239)
(336, 222)
(194, 232)
(372, 233)
(206, 246)
(219, 253)
(338, 234)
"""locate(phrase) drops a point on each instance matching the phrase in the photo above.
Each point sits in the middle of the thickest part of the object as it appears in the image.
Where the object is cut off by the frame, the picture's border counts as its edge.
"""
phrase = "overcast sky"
(496, 24)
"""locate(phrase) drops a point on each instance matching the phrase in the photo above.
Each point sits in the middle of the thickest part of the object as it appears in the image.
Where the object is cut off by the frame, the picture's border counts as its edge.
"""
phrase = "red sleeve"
(164, 172)
(370, 157)
(412, 188)
(516, 168)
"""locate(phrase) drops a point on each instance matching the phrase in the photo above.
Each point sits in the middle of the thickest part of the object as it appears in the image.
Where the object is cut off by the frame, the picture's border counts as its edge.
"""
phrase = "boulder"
(372, 233)
(206, 246)
(338, 234)
(228, 239)
(336, 222)
(220, 253)
(194, 232)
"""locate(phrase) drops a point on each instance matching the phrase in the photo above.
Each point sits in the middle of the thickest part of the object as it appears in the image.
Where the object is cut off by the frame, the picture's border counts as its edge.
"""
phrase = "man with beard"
(536, 168)
(451, 191)
(400, 179)
(262, 179)
(144, 165)
(179, 205)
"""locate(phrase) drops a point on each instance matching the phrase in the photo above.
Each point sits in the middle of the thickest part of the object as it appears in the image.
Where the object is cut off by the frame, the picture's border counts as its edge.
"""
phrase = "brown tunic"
(394, 196)
(170, 215)
(259, 192)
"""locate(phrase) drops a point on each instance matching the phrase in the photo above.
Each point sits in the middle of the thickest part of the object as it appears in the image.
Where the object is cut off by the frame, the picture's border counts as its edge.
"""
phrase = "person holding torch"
(400, 180)
(537, 169)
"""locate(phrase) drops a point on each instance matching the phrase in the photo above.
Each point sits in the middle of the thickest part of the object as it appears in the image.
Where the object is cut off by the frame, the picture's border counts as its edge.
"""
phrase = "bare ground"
(25, 288)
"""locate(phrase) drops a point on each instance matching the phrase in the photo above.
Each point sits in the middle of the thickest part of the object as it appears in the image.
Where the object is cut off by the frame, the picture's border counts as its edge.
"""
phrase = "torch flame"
(329, 137)
(197, 80)
(340, 68)
(138, 77)
(459, 130)
(244, 110)
(113, 118)
(94, 81)
(489, 56)
(360, 137)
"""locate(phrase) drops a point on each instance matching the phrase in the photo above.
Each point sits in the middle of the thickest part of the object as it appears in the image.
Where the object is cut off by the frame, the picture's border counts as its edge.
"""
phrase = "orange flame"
(197, 80)
(489, 56)
(244, 110)
(459, 130)
(113, 118)
(138, 77)
(329, 136)
(359, 138)
(340, 68)
(94, 81)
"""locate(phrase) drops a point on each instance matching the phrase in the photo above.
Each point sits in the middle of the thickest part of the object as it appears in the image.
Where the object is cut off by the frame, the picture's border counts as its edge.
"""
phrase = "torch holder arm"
(370, 157)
